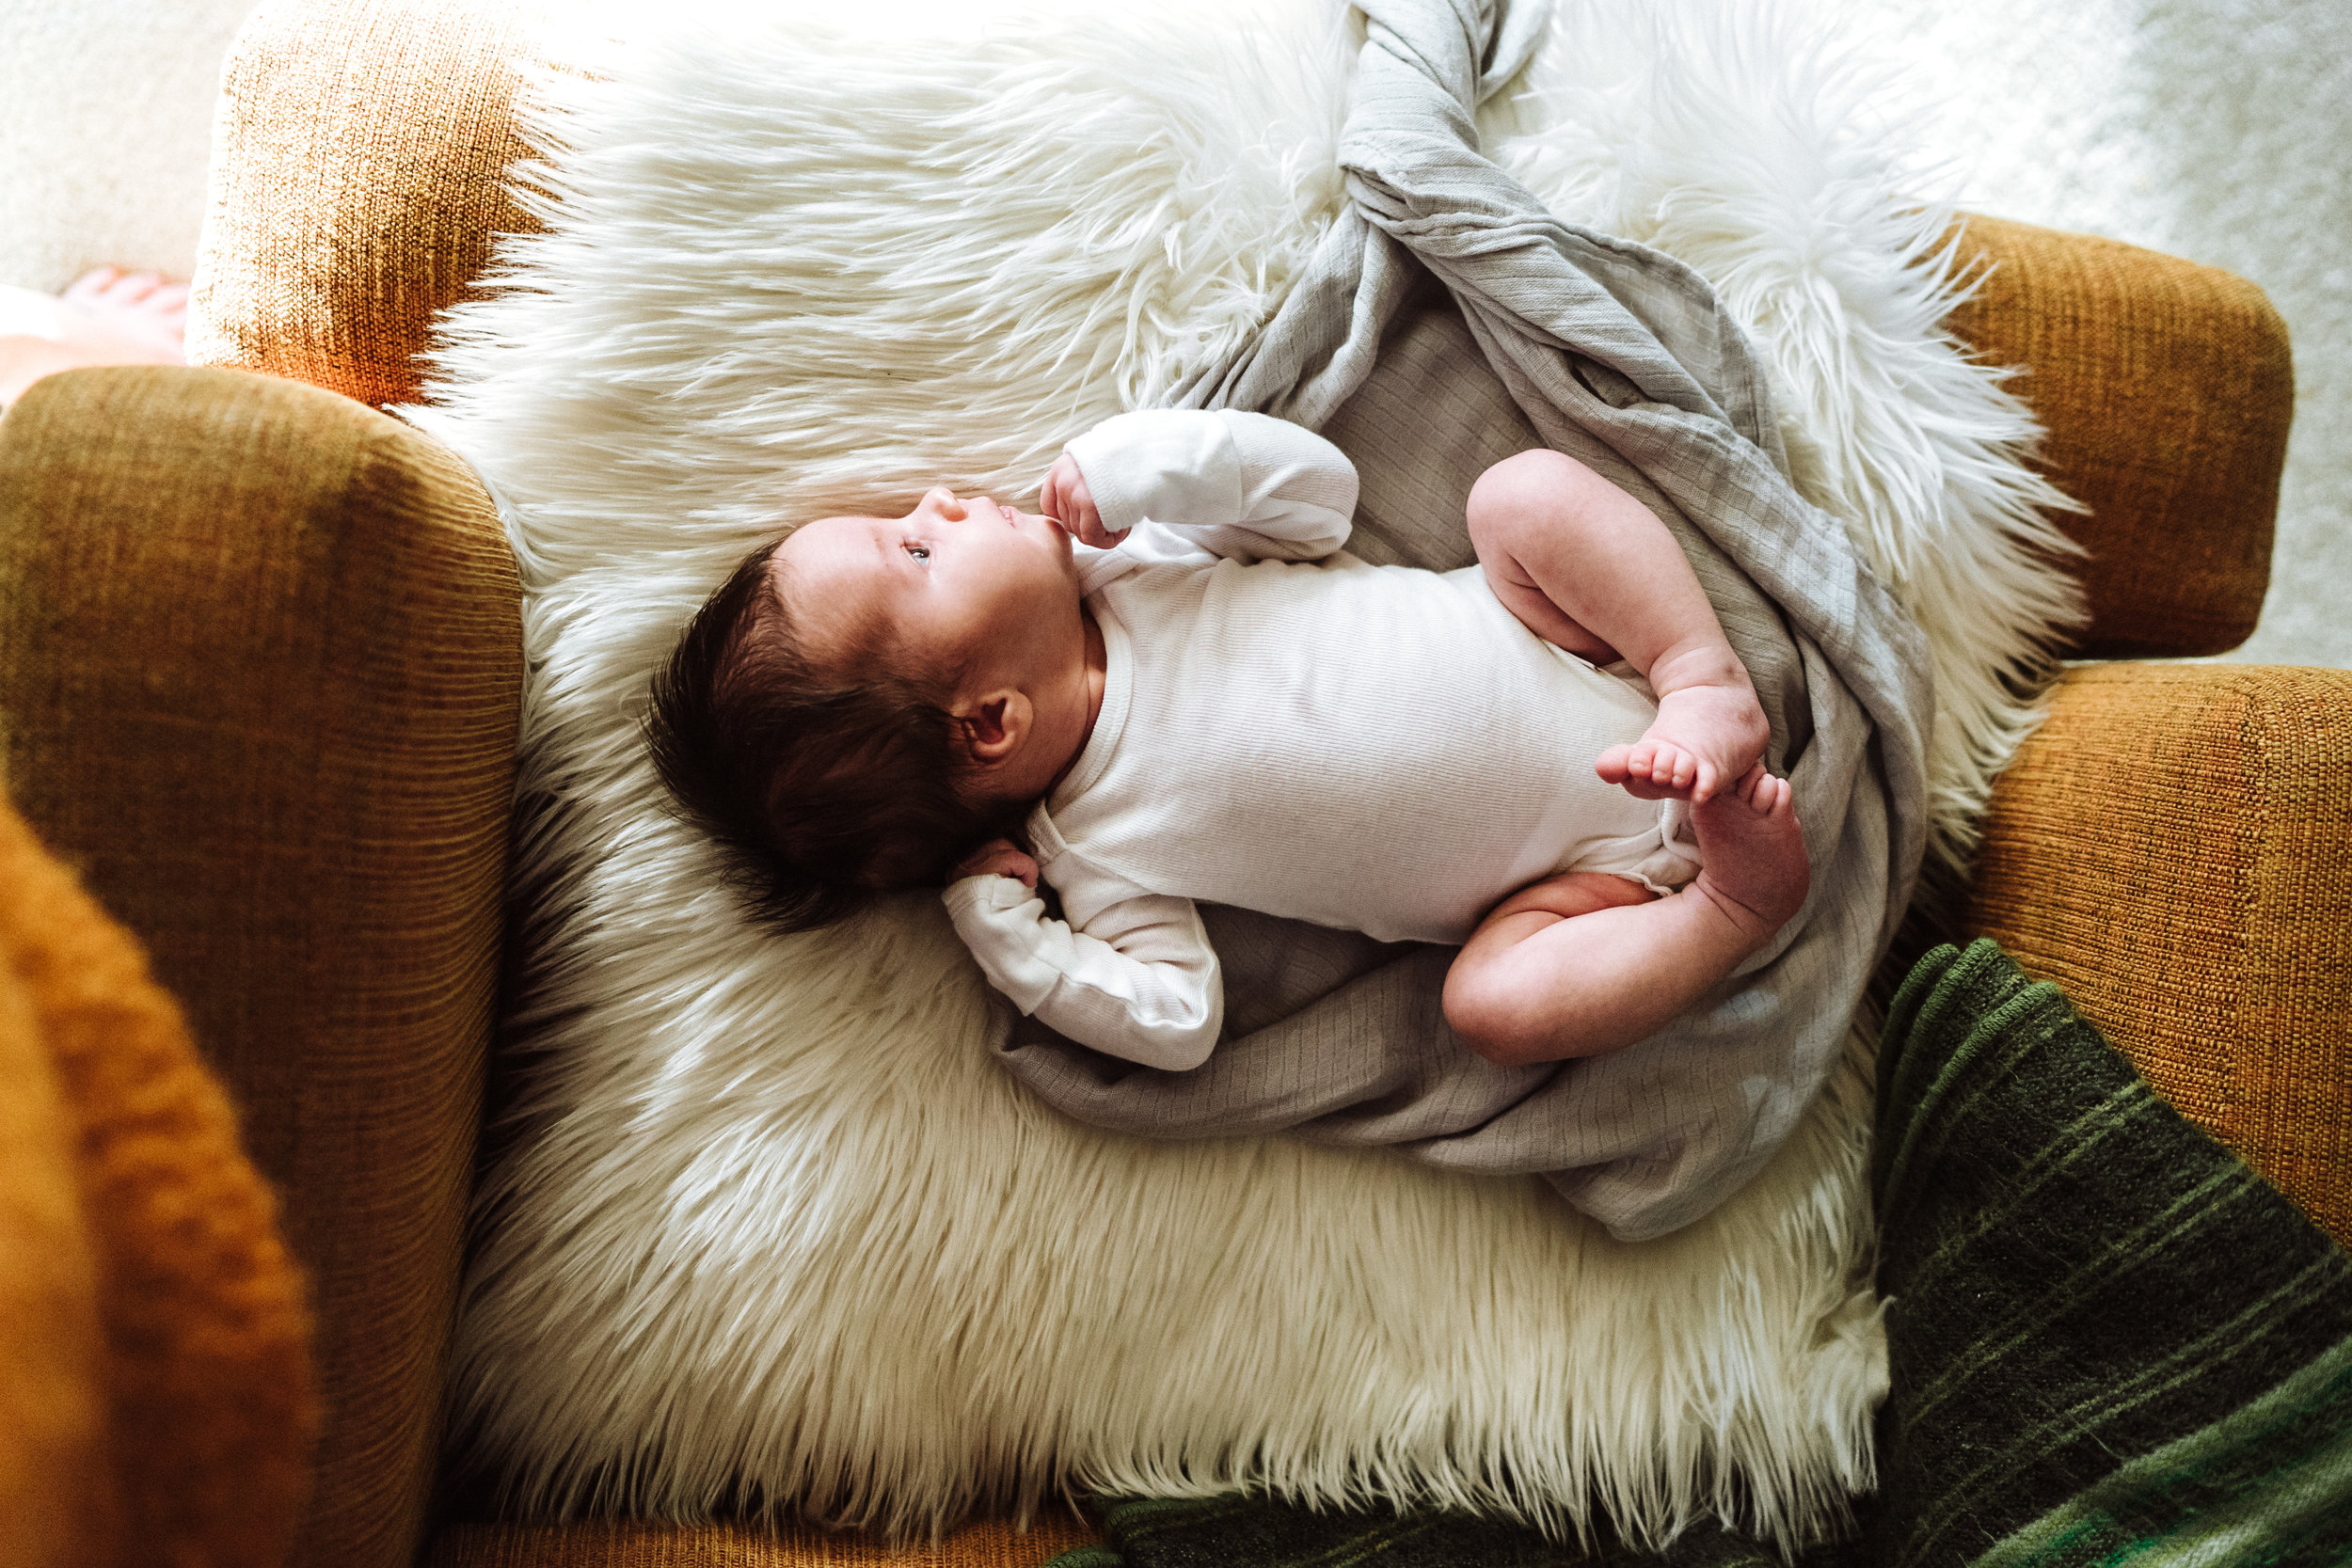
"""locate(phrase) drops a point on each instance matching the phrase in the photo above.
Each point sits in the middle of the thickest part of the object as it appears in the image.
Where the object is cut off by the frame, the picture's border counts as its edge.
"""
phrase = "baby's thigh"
(1511, 994)
(1528, 522)
(1531, 497)
(1537, 907)
(1565, 894)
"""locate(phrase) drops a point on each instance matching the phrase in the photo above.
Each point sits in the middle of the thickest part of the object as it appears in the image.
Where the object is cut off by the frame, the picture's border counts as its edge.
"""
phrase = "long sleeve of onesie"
(1134, 976)
(1218, 483)
(1140, 981)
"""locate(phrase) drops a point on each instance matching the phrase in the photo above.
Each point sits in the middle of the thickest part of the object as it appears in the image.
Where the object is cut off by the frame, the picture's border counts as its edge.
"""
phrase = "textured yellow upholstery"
(59, 1504)
(157, 1370)
(987, 1544)
(2174, 848)
(2167, 390)
(260, 673)
(358, 151)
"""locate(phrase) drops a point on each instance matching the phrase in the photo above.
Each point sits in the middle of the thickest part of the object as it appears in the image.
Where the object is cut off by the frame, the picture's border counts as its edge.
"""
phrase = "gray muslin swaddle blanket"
(1621, 357)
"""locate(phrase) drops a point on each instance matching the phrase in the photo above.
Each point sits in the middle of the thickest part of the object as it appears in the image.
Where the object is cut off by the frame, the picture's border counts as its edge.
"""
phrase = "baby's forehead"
(833, 549)
(830, 575)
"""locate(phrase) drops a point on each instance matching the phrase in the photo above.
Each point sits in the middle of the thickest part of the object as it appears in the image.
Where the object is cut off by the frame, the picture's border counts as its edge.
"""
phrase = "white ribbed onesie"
(1287, 728)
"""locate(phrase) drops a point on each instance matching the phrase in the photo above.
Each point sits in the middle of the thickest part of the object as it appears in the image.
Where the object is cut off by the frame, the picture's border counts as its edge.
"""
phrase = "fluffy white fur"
(775, 1218)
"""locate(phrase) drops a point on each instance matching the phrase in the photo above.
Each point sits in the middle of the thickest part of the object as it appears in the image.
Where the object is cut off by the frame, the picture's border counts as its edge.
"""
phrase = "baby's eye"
(919, 551)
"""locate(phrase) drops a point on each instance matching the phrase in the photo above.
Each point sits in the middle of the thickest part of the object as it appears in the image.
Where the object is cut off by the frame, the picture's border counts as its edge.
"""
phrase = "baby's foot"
(1756, 871)
(134, 310)
(108, 317)
(1703, 740)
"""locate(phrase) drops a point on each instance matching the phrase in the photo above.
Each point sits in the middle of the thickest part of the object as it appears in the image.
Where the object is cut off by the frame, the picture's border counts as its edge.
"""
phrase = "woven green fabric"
(2110, 1340)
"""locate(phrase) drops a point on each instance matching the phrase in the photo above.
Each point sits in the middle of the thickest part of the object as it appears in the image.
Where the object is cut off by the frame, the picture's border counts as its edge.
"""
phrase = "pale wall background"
(2219, 130)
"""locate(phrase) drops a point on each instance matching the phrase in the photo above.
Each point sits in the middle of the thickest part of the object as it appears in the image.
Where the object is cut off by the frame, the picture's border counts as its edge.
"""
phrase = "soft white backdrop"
(2219, 130)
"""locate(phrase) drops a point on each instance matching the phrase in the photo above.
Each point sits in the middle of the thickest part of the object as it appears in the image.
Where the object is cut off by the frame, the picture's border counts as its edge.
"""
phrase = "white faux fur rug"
(775, 1220)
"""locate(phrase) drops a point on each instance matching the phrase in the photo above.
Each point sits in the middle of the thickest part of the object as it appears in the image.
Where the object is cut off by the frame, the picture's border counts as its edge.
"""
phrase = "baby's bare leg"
(1584, 565)
(1570, 967)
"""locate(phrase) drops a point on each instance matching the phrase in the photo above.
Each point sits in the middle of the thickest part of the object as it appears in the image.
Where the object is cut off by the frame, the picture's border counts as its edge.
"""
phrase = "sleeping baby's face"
(954, 580)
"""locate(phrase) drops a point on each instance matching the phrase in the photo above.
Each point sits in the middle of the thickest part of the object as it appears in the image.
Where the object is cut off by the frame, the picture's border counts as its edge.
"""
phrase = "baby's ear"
(993, 727)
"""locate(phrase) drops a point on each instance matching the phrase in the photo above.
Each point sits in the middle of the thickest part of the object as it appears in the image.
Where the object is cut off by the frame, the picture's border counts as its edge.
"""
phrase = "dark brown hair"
(828, 780)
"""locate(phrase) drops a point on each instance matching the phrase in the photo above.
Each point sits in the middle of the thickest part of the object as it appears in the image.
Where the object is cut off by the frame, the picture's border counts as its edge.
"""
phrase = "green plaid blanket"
(2111, 1341)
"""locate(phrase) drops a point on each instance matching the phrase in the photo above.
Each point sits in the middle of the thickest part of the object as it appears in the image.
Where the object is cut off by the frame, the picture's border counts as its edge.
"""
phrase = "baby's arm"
(1243, 485)
(1585, 565)
(1140, 982)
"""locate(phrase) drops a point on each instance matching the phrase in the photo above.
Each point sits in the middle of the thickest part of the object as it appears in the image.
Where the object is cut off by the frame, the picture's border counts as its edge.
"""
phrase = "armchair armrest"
(2174, 848)
(2166, 389)
(260, 681)
(359, 155)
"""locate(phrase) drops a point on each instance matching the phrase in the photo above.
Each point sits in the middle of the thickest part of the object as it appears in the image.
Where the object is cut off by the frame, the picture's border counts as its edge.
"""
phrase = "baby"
(1172, 686)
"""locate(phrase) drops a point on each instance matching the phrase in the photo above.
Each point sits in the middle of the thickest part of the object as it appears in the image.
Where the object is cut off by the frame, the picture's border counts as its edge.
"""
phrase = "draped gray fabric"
(1559, 336)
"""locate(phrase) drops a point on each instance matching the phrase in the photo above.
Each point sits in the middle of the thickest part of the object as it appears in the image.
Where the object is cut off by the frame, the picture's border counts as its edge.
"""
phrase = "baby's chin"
(1071, 566)
(1065, 542)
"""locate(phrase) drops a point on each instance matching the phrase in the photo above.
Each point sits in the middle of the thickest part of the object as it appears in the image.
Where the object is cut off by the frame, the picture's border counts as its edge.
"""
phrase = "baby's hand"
(998, 857)
(1067, 501)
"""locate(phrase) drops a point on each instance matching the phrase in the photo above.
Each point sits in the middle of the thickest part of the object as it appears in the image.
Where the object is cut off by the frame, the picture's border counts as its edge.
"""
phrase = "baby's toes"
(1763, 793)
(91, 284)
(1671, 768)
(1637, 769)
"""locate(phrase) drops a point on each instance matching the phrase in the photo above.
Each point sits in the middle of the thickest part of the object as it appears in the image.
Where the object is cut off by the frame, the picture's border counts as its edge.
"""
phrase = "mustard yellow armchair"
(259, 668)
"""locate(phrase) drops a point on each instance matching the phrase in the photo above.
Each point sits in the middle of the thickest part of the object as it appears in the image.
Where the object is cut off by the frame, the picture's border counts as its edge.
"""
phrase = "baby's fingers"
(1055, 496)
(998, 857)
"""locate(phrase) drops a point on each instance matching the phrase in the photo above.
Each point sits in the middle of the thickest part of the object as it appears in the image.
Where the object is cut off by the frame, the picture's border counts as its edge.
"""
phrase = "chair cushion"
(259, 669)
(2174, 848)
(153, 1348)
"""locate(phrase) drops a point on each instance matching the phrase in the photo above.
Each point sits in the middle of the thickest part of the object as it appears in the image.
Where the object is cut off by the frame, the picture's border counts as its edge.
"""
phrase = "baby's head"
(868, 699)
